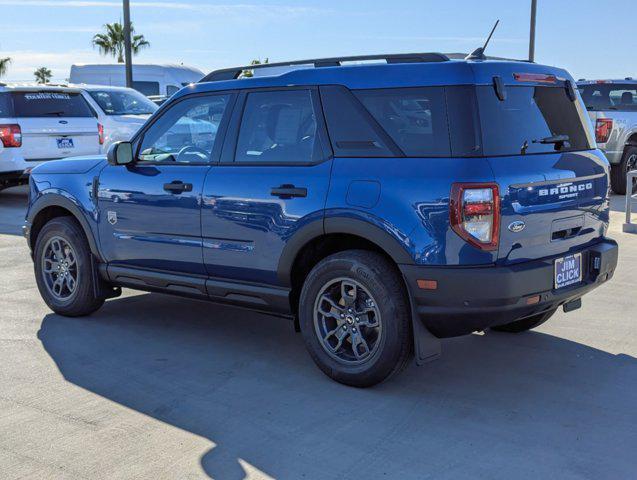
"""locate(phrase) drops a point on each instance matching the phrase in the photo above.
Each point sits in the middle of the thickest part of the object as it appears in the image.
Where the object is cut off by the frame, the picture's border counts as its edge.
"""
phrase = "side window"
(415, 118)
(146, 88)
(353, 132)
(278, 126)
(186, 132)
(171, 90)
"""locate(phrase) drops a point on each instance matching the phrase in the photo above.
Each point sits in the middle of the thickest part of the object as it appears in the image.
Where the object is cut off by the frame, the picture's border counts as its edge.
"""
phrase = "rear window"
(118, 102)
(528, 116)
(50, 104)
(610, 96)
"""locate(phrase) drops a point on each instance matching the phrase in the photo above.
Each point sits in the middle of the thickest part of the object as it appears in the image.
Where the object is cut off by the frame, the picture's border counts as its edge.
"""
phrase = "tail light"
(11, 135)
(603, 127)
(100, 133)
(475, 213)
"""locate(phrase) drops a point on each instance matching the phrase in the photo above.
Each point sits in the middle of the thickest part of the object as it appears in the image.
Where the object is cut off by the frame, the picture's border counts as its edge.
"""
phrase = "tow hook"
(572, 305)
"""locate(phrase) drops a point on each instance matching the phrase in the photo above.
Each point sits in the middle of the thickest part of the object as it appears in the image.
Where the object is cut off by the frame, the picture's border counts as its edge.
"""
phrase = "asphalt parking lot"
(165, 388)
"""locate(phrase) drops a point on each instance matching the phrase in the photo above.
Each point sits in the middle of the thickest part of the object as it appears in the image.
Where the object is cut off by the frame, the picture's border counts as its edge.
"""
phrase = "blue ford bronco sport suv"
(383, 206)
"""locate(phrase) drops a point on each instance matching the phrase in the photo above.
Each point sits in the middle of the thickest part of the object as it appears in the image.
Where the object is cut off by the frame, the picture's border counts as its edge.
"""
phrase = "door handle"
(288, 191)
(177, 186)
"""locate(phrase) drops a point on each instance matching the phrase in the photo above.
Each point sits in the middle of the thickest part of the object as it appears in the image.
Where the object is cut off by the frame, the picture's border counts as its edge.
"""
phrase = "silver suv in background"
(39, 123)
(612, 107)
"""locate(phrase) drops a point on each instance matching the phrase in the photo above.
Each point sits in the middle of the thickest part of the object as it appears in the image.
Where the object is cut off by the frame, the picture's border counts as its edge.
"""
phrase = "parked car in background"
(120, 111)
(148, 79)
(382, 206)
(40, 123)
(612, 107)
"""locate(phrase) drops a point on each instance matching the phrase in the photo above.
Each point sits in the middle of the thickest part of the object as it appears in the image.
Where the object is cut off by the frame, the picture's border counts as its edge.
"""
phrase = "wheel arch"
(321, 239)
(53, 205)
(631, 140)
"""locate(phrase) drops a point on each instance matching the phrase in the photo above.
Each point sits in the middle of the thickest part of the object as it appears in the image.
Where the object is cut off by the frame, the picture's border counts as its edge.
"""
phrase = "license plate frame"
(65, 143)
(567, 271)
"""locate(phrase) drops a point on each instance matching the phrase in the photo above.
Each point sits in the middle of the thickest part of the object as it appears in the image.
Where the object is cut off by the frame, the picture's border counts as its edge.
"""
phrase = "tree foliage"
(42, 75)
(111, 41)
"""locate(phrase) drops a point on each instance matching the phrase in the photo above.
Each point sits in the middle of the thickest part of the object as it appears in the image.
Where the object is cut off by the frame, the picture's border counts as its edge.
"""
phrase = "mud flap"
(427, 347)
(102, 289)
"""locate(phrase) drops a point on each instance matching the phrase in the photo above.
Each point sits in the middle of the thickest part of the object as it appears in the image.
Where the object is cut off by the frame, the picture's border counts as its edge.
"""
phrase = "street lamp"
(127, 45)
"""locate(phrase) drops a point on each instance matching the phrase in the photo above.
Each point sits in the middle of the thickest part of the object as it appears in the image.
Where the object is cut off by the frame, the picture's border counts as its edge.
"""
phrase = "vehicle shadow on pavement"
(495, 405)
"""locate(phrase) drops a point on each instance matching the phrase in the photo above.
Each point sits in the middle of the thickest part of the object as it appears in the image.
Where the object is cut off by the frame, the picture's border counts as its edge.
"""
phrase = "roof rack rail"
(235, 72)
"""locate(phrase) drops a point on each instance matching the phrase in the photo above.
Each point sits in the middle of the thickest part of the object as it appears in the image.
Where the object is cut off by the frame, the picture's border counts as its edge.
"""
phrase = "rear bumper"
(475, 298)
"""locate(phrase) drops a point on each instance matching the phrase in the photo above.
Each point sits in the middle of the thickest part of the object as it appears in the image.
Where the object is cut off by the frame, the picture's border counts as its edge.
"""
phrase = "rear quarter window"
(50, 104)
(415, 118)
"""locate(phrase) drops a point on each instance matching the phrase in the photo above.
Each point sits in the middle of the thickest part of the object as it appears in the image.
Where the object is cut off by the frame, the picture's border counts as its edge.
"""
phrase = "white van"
(151, 80)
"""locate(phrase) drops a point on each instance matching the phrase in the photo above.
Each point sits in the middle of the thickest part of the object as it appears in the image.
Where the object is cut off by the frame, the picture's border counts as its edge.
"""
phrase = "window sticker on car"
(47, 96)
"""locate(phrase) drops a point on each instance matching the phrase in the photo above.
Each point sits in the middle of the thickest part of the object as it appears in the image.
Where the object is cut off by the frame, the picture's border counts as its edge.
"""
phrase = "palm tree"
(250, 73)
(4, 65)
(42, 75)
(111, 42)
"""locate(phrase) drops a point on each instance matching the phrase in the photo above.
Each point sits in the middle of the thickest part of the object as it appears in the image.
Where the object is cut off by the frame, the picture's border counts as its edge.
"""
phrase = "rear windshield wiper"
(57, 114)
(559, 141)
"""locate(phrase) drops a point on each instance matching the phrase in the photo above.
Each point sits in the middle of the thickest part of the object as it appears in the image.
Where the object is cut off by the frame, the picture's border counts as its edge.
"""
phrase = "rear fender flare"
(388, 242)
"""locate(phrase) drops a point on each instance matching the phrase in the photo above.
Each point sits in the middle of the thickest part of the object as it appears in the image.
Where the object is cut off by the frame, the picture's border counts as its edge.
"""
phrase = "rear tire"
(355, 319)
(64, 269)
(525, 324)
(618, 172)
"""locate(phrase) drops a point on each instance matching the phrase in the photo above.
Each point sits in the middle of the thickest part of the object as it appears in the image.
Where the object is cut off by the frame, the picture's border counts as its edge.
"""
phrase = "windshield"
(50, 104)
(610, 96)
(532, 120)
(119, 102)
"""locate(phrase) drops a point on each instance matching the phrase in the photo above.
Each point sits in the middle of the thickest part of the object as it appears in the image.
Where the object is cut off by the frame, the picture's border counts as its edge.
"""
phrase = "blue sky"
(588, 37)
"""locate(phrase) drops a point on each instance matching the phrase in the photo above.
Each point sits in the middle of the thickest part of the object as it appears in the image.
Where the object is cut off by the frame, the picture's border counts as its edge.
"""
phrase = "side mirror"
(120, 153)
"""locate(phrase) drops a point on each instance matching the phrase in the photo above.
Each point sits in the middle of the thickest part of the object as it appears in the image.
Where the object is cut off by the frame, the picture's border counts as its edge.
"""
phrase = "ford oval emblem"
(517, 226)
(63, 122)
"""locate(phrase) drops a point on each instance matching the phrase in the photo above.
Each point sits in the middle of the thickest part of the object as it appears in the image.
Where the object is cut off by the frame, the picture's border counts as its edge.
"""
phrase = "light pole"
(127, 45)
(532, 32)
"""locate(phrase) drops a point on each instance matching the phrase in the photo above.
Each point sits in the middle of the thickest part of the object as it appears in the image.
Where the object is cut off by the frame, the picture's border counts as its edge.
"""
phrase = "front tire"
(618, 172)
(355, 319)
(64, 270)
(525, 324)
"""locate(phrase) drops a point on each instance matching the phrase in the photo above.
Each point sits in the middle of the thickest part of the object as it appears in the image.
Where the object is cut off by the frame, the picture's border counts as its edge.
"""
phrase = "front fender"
(85, 214)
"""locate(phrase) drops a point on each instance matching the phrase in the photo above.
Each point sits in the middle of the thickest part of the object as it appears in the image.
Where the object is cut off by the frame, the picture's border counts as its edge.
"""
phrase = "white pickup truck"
(612, 107)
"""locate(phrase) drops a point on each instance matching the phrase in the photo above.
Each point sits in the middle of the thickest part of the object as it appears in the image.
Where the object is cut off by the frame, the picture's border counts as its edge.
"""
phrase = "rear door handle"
(288, 191)
(177, 186)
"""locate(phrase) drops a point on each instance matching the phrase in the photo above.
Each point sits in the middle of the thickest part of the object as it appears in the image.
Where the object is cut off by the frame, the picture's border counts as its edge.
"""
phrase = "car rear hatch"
(55, 124)
(553, 181)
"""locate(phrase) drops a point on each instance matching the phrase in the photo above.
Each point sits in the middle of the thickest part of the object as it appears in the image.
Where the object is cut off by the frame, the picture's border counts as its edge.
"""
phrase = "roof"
(29, 87)
(629, 80)
(378, 75)
(140, 66)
